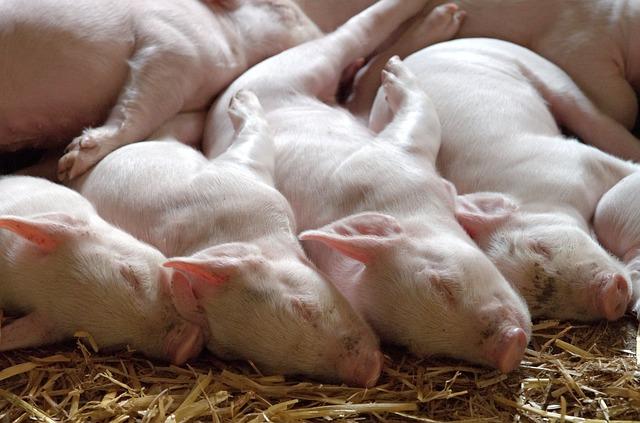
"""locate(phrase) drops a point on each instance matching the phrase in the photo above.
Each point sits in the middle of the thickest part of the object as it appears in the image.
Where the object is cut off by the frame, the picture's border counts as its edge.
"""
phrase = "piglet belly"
(56, 80)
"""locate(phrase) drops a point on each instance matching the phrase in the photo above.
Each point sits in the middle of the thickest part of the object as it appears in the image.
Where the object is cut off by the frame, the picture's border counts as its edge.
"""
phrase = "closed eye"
(129, 274)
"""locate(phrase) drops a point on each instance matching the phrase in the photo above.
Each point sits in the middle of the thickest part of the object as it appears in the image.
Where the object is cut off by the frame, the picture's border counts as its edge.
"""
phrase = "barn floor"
(571, 370)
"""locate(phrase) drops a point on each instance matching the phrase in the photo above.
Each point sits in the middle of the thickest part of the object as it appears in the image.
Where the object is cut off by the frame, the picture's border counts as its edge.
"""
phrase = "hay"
(571, 373)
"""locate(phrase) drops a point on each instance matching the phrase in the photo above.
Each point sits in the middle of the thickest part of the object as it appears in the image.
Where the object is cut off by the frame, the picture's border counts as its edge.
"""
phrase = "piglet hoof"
(511, 349)
(85, 151)
(613, 297)
(363, 371)
(243, 107)
(442, 24)
(398, 83)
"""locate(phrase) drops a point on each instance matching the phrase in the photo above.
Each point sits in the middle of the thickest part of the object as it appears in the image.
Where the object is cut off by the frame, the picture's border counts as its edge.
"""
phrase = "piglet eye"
(306, 310)
(540, 248)
(444, 288)
(129, 274)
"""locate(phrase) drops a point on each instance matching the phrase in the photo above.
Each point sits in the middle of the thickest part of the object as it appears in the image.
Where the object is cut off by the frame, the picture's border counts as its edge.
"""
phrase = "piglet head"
(556, 265)
(560, 269)
(268, 304)
(107, 282)
(436, 295)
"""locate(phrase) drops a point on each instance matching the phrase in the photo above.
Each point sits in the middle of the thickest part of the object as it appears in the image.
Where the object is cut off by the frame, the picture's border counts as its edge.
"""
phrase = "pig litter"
(571, 372)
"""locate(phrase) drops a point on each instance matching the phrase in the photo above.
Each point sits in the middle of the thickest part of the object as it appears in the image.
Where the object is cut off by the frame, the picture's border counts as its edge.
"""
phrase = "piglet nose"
(613, 298)
(511, 349)
(363, 370)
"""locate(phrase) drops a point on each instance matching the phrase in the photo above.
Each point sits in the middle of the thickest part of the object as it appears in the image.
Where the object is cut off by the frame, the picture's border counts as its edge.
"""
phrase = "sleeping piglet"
(64, 269)
(68, 65)
(238, 264)
(374, 214)
(500, 112)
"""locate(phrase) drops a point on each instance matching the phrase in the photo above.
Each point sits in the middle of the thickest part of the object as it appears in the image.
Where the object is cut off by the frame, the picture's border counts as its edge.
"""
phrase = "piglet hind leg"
(154, 93)
(29, 331)
(413, 122)
(573, 110)
(315, 68)
(440, 24)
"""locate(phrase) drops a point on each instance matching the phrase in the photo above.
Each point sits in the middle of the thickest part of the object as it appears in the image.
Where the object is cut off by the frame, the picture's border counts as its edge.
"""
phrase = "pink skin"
(144, 62)
(101, 279)
(236, 261)
(592, 40)
(616, 224)
(390, 241)
(540, 239)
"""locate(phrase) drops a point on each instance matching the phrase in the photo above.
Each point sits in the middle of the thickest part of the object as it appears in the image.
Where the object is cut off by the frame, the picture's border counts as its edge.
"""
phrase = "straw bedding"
(571, 372)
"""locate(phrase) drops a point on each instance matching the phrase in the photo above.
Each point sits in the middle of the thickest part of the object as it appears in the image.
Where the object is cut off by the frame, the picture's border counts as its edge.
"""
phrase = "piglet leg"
(155, 92)
(29, 331)
(440, 24)
(253, 142)
(573, 110)
(316, 67)
(415, 123)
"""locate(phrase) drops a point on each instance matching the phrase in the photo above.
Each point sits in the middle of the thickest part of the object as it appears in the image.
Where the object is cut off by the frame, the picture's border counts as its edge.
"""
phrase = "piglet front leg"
(253, 143)
(157, 90)
(573, 110)
(414, 122)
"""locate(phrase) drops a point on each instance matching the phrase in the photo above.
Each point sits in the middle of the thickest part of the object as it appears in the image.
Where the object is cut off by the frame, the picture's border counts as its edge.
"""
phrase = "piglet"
(65, 269)
(68, 65)
(235, 252)
(499, 134)
(617, 224)
(374, 214)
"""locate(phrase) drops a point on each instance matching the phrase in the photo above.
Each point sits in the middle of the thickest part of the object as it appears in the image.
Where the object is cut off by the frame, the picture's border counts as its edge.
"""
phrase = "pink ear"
(47, 231)
(361, 236)
(216, 264)
(481, 213)
(185, 301)
(184, 342)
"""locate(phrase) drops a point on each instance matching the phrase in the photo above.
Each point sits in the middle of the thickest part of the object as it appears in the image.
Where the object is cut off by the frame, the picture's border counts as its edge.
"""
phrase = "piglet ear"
(183, 342)
(46, 231)
(481, 213)
(217, 264)
(361, 236)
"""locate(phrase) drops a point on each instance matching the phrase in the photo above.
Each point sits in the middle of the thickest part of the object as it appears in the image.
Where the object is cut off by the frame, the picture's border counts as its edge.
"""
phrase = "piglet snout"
(613, 297)
(510, 349)
(363, 370)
